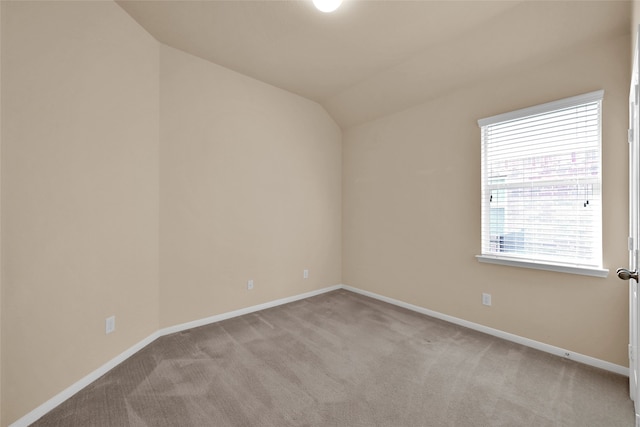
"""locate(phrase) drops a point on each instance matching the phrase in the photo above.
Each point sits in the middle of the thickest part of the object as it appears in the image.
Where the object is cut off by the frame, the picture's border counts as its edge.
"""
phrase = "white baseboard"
(568, 354)
(52, 403)
(59, 398)
(243, 311)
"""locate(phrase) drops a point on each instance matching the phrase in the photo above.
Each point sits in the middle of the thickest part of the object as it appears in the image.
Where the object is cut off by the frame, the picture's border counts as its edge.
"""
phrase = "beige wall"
(79, 193)
(635, 21)
(140, 181)
(250, 188)
(411, 209)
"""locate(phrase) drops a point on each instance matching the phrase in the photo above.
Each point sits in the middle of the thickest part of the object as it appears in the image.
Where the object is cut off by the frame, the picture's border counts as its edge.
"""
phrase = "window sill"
(561, 268)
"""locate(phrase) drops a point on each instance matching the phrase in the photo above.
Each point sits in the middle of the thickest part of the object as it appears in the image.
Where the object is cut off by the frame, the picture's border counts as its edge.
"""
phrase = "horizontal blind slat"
(541, 184)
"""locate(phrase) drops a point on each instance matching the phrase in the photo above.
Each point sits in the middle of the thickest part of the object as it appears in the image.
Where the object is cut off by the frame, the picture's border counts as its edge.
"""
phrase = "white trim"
(513, 142)
(219, 317)
(560, 268)
(58, 399)
(544, 108)
(587, 360)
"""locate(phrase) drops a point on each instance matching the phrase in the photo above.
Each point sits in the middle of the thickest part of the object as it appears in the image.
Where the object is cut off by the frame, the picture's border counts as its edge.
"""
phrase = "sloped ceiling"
(373, 58)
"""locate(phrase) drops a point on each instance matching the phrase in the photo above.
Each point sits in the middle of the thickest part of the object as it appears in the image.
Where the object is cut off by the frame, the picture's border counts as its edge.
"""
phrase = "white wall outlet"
(110, 324)
(250, 285)
(486, 299)
(305, 274)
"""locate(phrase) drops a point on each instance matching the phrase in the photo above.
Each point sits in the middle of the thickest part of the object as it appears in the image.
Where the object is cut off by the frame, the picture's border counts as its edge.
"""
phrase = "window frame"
(524, 262)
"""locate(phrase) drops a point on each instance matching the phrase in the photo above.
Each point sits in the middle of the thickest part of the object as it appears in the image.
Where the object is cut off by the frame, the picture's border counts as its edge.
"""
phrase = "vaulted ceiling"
(372, 58)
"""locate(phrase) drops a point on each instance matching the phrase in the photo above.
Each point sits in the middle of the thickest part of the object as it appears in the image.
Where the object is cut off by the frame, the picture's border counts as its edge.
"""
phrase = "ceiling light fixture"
(327, 5)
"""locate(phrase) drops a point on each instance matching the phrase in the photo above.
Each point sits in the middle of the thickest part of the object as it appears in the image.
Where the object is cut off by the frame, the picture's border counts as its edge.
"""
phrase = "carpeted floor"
(342, 359)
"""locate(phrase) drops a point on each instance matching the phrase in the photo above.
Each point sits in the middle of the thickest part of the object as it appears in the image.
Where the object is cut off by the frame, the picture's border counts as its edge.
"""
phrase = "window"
(542, 186)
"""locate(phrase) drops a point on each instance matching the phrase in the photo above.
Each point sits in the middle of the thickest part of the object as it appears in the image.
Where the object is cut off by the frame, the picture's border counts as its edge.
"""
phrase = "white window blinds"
(541, 183)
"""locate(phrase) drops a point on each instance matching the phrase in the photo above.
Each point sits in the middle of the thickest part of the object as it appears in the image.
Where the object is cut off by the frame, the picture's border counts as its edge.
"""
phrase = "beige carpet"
(342, 359)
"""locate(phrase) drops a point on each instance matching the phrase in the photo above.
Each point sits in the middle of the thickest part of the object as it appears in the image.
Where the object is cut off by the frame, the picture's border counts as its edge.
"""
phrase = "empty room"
(269, 213)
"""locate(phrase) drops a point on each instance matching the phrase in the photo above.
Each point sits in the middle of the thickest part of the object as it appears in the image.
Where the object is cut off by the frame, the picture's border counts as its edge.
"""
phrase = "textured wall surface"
(250, 188)
(142, 182)
(411, 206)
(80, 193)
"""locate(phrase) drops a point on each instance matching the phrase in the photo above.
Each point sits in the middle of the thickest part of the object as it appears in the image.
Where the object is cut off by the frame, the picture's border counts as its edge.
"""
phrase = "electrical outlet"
(250, 285)
(486, 299)
(110, 324)
(305, 274)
